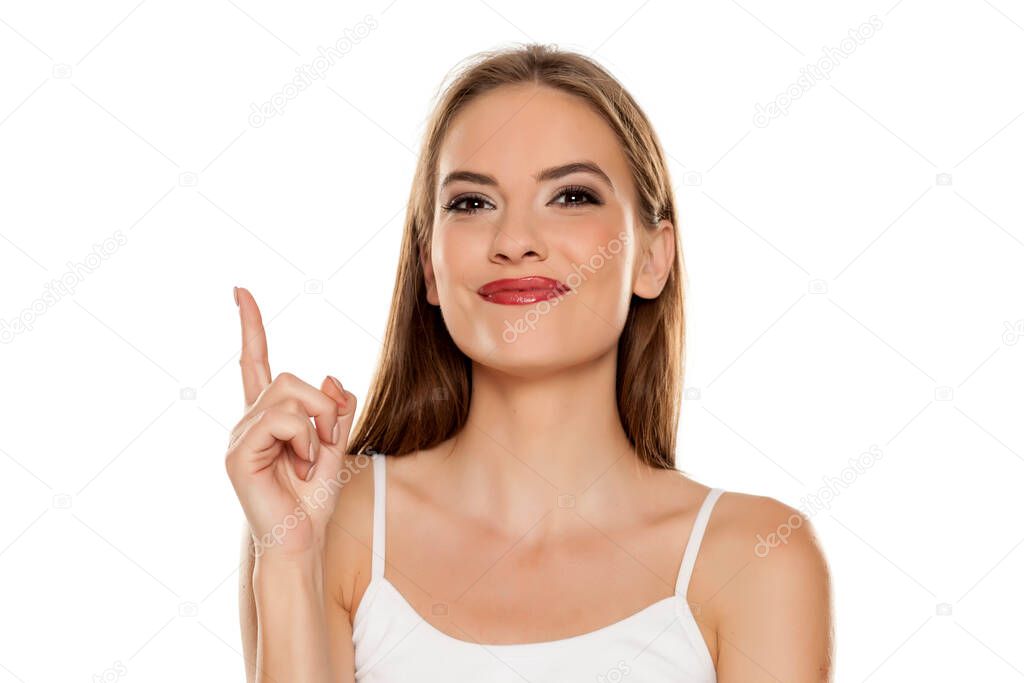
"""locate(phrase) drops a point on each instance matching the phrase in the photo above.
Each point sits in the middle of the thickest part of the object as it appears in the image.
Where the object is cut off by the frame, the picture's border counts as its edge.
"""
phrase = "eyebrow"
(552, 173)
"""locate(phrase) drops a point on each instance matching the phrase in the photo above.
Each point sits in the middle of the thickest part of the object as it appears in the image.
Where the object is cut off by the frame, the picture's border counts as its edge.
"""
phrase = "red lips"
(522, 290)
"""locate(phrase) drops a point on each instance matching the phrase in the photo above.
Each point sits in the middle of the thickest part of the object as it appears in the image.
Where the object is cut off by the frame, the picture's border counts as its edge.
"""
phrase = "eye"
(576, 196)
(453, 204)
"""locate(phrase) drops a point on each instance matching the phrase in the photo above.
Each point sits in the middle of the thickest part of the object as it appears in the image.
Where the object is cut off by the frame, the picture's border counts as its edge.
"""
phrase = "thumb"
(331, 458)
(346, 401)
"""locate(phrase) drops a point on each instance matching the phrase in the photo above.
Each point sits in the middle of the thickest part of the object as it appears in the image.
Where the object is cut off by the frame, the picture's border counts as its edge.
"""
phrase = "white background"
(840, 295)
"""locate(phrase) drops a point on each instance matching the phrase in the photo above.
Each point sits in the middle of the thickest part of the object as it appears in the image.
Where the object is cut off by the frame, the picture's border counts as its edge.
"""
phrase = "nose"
(514, 242)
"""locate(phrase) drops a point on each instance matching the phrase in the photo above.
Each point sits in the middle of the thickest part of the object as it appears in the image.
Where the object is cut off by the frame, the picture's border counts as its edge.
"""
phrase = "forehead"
(514, 131)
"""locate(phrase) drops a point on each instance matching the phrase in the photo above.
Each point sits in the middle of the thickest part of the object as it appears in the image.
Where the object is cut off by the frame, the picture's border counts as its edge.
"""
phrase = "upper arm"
(346, 562)
(341, 651)
(775, 621)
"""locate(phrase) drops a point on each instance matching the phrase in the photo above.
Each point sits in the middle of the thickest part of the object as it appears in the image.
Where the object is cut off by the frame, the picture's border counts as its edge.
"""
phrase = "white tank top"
(659, 643)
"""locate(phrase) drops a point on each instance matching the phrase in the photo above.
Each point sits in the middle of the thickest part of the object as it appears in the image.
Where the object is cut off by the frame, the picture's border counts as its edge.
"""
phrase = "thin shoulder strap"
(379, 491)
(696, 536)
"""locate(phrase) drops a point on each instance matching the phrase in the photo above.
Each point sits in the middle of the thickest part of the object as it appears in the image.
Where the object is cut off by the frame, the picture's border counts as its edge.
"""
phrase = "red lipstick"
(522, 290)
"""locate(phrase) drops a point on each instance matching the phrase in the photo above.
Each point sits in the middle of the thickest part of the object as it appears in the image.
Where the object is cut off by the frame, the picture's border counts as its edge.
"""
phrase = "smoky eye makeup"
(454, 205)
(575, 196)
(581, 196)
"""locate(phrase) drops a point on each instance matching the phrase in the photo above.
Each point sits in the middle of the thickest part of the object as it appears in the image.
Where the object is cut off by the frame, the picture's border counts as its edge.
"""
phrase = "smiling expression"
(532, 182)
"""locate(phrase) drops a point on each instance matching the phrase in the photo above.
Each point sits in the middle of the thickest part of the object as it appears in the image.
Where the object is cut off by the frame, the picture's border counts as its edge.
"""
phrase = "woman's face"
(532, 182)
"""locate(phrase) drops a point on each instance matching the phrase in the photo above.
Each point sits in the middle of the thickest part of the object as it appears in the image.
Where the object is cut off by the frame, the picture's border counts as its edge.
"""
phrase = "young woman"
(508, 507)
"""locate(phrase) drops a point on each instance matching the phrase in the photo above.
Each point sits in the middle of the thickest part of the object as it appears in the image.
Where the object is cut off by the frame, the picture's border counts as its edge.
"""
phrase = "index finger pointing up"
(254, 361)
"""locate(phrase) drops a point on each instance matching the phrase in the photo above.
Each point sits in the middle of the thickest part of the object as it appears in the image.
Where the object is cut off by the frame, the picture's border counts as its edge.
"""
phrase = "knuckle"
(249, 358)
(284, 419)
(271, 414)
(292, 405)
(329, 401)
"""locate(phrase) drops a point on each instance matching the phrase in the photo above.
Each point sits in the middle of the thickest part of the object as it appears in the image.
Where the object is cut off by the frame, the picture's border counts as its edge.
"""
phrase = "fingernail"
(337, 383)
(309, 475)
(334, 433)
(234, 291)
(311, 451)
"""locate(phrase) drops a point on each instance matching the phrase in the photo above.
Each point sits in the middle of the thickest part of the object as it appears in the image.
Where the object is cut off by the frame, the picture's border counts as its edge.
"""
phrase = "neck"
(533, 443)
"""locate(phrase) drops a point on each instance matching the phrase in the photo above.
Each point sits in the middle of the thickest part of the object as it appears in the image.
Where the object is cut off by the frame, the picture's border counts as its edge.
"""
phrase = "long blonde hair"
(420, 393)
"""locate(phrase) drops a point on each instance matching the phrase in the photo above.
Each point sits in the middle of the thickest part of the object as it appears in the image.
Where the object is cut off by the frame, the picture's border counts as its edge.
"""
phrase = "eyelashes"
(452, 205)
(581, 196)
(578, 191)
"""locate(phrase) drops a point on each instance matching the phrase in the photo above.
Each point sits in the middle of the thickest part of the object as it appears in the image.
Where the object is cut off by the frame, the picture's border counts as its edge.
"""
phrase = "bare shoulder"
(761, 544)
(763, 584)
(747, 527)
(349, 532)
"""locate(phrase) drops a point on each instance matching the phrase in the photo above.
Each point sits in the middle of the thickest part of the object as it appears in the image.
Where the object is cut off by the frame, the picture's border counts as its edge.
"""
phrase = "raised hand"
(284, 468)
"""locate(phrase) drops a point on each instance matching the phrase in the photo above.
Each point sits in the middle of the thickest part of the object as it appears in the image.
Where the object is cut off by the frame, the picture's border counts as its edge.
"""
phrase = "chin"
(536, 353)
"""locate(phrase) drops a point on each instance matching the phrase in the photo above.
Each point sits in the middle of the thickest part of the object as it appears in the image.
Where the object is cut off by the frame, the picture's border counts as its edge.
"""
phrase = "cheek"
(601, 271)
(457, 252)
(592, 256)
(600, 255)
